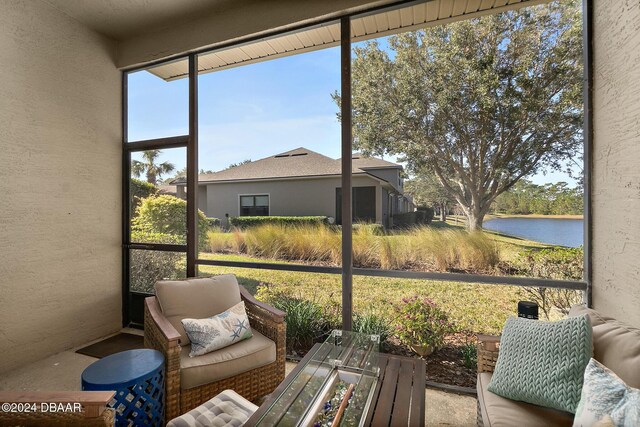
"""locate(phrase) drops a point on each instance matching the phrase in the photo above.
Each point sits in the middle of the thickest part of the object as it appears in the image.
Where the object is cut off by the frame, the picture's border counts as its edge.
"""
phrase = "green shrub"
(168, 215)
(412, 219)
(469, 352)
(138, 236)
(139, 190)
(372, 324)
(553, 263)
(310, 321)
(422, 323)
(244, 222)
(147, 267)
(213, 222)
(428, 213)
(306, 321)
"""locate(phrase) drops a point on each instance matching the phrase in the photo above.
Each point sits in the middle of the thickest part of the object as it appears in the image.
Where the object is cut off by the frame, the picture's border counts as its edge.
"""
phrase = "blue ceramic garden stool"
(137, 376)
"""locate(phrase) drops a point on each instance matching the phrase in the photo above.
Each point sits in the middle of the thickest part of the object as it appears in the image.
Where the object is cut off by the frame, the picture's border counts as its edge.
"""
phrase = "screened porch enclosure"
(365, 204)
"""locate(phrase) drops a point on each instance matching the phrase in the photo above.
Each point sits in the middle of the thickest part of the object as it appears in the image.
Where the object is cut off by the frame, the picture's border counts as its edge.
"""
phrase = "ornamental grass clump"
(422, 324)
(373, 324)
(306, 320)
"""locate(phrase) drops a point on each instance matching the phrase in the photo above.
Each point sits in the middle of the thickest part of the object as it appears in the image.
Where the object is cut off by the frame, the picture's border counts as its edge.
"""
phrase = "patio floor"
(62, 372)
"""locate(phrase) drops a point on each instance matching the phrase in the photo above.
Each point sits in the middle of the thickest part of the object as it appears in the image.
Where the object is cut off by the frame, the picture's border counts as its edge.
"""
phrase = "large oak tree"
(479, 103)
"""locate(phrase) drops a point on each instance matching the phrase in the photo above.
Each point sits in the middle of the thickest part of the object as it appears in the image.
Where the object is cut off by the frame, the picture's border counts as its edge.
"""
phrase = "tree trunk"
(443, 212)
(475, 218)
(151, 178)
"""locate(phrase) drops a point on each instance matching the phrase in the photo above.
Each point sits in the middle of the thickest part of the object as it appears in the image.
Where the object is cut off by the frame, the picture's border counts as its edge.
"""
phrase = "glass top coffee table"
(332, 386)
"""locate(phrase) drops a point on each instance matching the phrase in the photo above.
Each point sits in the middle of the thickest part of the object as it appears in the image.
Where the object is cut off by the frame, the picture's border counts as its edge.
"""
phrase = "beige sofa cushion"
(196, 299)
(615, 345)
(241, 357)
(498, 411)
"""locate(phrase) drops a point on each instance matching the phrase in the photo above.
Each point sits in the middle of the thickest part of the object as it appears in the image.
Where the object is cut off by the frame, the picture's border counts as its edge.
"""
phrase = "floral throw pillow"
(606, 397)
(219, 331)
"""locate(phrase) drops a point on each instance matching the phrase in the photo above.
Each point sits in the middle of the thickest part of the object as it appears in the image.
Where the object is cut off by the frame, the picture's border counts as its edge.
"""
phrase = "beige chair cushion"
(241, 357)
(227, 409)
(498, 411)
(196, 299)
(615, 345)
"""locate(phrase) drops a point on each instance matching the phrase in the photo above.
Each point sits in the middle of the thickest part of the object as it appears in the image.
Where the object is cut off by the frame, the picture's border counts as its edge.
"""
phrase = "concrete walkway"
(61, 372)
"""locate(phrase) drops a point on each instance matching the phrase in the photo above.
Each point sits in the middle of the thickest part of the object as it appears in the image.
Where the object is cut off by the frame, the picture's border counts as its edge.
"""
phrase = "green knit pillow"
(543, 363)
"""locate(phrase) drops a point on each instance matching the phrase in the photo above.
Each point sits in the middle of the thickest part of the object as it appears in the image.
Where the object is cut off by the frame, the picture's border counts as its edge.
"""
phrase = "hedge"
(408, 219)
(243, 222)
(168, 215)
(139, 190)
(147, 267)
(213, 222)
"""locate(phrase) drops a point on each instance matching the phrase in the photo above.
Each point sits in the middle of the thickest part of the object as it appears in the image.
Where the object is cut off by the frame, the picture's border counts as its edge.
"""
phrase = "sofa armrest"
(80, 408)
(488, 348)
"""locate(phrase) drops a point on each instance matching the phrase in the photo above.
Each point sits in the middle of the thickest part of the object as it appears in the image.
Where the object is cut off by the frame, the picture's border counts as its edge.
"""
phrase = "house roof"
(300, 162)
(167, 189)
(363, 162)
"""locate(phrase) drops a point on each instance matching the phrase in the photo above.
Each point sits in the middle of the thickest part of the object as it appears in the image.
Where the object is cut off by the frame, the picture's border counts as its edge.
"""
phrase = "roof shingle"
(300, 162)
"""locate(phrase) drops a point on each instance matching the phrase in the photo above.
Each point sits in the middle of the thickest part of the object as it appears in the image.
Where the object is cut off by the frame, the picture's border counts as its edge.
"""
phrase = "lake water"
(565, 232)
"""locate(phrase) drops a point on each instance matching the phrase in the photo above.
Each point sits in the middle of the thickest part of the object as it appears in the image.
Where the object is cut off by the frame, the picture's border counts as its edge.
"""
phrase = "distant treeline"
(548, 199)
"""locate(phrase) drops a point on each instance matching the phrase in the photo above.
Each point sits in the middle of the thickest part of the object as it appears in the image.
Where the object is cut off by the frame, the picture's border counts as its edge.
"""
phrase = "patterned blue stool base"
(140, 404)
(137, 376)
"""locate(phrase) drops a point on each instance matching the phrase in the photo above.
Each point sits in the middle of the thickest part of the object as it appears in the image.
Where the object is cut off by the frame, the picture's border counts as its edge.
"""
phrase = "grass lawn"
(473, 307)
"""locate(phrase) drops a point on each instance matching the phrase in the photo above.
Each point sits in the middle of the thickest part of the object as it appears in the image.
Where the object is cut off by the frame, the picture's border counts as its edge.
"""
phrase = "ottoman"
(226, 409)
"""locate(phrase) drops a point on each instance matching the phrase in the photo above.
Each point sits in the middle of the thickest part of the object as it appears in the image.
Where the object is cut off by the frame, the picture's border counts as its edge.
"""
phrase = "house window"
(254, 205)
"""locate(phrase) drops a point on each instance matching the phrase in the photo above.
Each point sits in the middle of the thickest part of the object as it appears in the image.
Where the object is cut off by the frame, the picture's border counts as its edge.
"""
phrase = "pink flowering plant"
(421, 322)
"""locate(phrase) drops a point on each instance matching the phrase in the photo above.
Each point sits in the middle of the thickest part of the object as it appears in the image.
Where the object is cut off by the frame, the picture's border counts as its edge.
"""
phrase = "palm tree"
(149, 166)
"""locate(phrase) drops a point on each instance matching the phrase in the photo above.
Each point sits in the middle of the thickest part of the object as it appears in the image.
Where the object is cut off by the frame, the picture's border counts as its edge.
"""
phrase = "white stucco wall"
(616, 158)
(60, 214)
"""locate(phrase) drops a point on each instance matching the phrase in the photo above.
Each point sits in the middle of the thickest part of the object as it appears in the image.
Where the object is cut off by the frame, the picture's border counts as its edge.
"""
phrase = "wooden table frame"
(398, 400)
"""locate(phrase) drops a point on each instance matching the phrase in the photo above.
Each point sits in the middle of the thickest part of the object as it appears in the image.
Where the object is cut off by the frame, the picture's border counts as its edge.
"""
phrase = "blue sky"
(250, 112)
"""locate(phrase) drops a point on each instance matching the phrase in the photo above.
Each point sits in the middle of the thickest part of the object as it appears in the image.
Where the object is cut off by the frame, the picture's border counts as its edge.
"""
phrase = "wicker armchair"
(82, 408)
(161, 335)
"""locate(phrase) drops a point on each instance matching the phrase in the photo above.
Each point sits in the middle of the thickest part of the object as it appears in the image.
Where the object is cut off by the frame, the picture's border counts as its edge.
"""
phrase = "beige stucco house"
(302, 182)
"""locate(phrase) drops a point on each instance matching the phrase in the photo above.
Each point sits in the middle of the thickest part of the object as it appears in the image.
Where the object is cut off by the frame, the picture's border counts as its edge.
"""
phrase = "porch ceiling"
(429, 13)
(123, 19)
